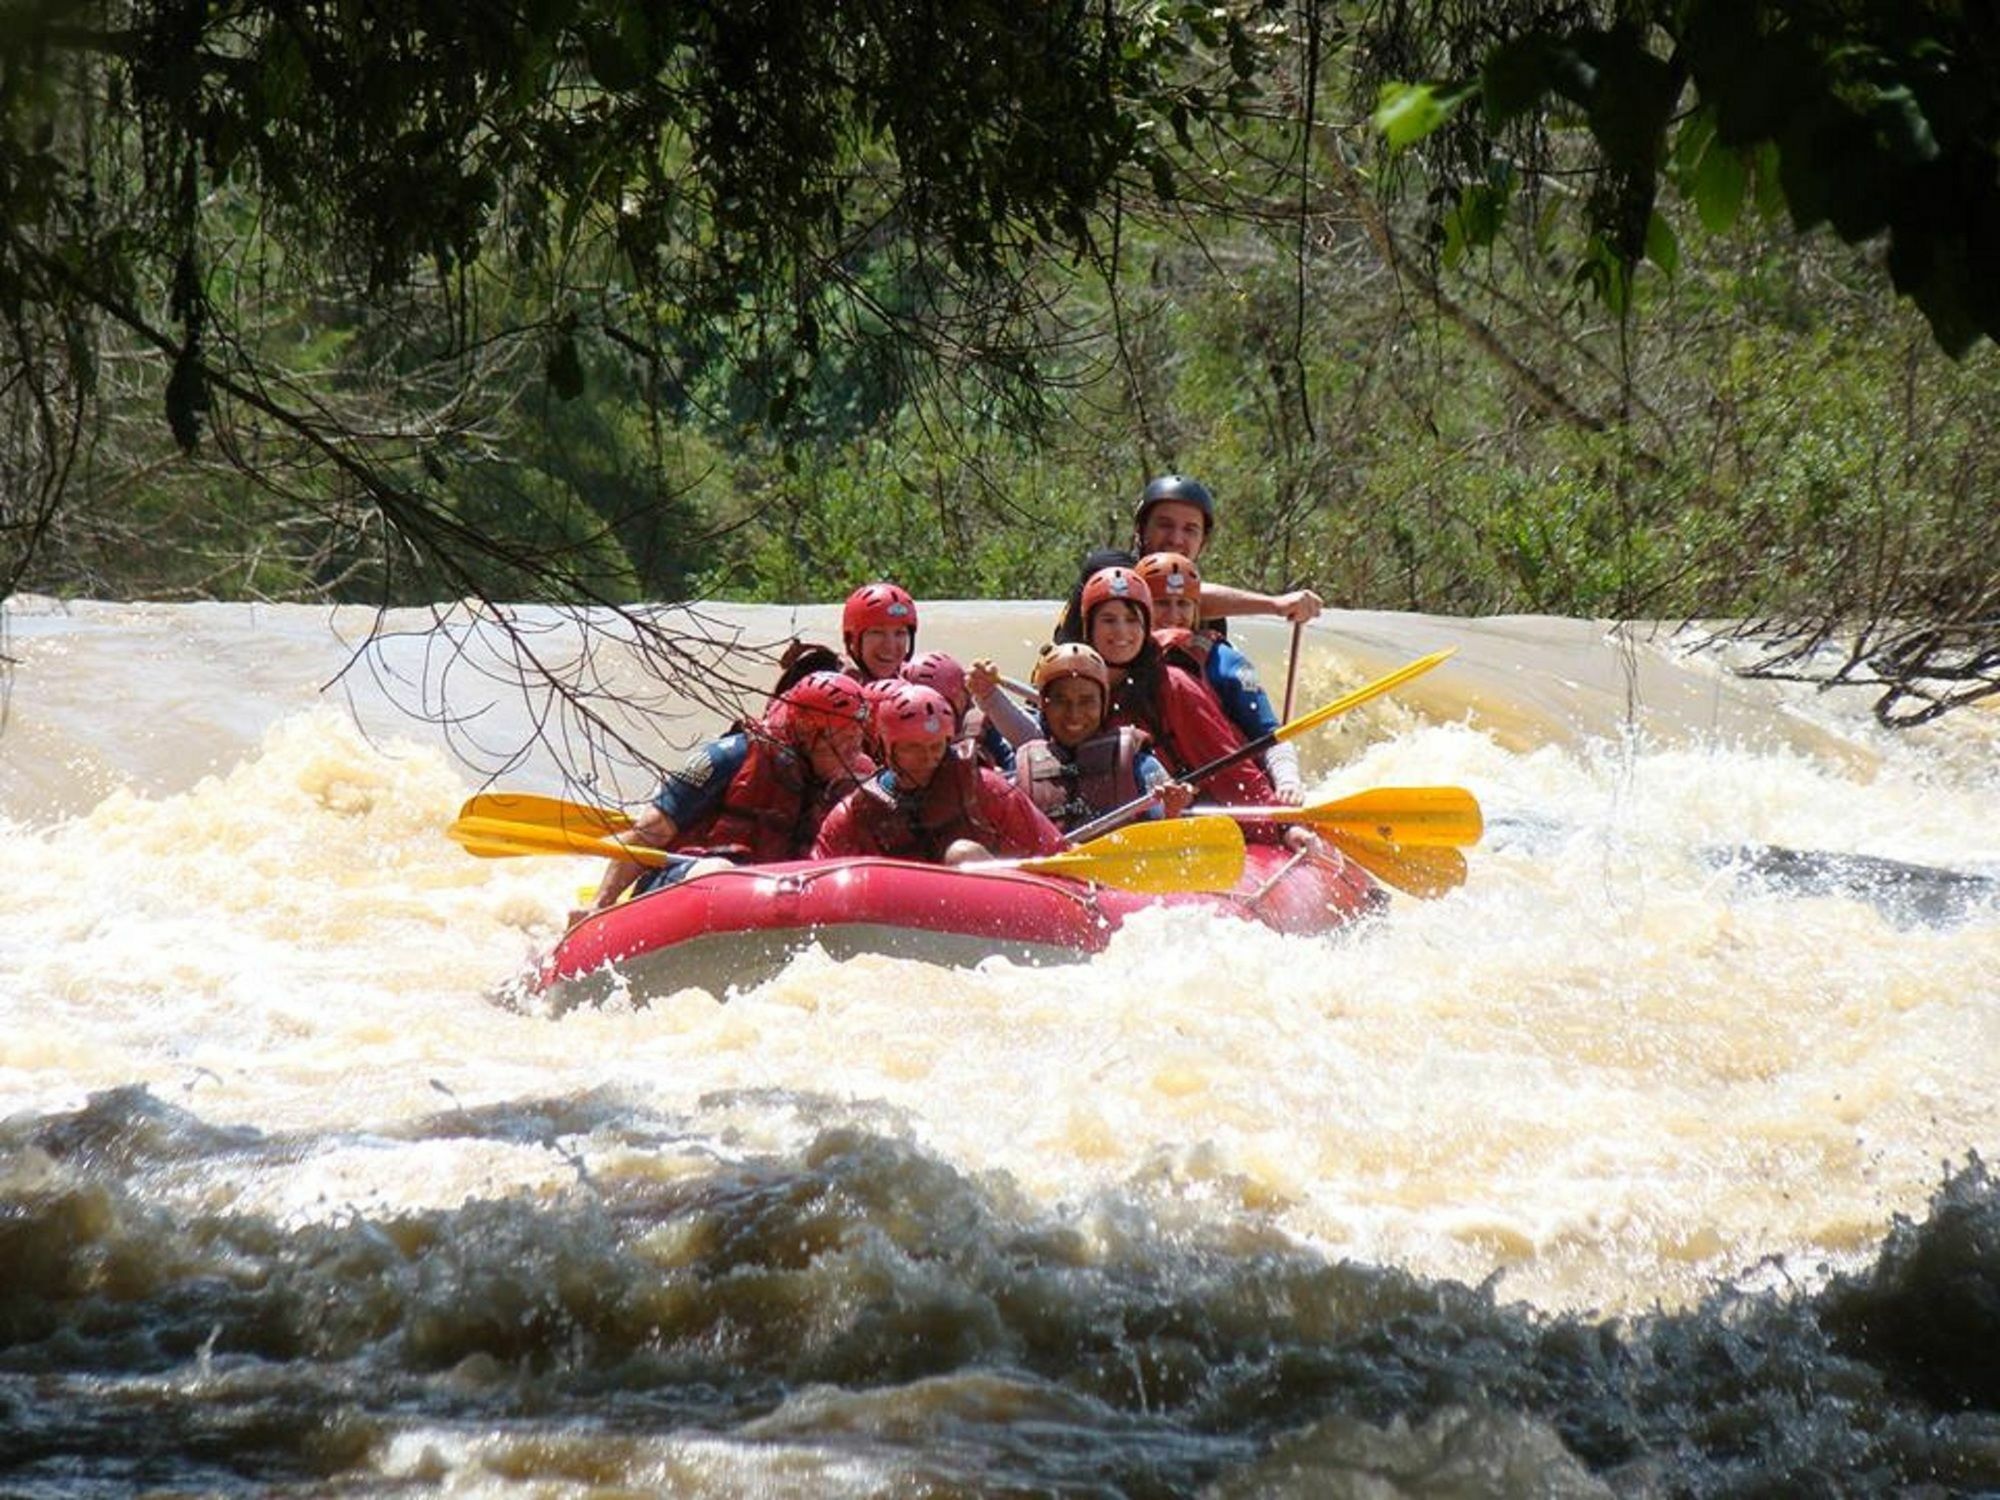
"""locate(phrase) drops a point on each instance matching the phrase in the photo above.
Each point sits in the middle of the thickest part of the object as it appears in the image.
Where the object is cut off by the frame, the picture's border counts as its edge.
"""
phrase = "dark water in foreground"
(858, 1317)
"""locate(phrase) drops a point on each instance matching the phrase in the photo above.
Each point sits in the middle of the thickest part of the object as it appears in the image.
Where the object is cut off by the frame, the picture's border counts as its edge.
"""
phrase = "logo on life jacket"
(698, 768)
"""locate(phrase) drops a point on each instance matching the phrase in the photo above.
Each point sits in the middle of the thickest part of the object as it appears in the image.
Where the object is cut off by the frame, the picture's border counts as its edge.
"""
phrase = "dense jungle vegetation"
(597, 302)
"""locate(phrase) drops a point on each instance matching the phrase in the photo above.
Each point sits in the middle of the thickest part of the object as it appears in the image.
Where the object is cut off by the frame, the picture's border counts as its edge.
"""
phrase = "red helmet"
(878, 606)
(1117, 583)
(914, 715)
(876, 690)
(1170, 576)
(874, 693)
(940, 670)
(817, 702)
(1071, 659)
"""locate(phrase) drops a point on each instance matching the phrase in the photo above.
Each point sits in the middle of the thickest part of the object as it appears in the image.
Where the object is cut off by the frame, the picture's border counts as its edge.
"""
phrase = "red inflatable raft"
(737, 927)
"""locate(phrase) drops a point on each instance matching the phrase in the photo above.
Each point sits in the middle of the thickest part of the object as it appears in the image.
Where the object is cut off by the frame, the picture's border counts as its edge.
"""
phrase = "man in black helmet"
(1176, 514)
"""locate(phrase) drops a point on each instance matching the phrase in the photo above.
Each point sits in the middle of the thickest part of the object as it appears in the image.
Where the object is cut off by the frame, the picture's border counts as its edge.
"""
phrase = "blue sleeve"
(1150, 772)
(693, 792)
(995, 744)
(1242, 696)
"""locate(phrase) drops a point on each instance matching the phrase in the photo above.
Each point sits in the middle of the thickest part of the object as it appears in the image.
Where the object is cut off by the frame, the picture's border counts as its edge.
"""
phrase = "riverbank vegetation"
(348, 312)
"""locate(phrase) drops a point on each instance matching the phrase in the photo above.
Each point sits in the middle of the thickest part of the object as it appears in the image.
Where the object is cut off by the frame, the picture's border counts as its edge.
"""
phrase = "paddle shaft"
(497, 837)
(1292, 668)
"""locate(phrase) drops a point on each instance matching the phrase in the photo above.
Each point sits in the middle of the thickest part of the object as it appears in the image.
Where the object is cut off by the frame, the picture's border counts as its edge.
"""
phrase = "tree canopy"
(475, 296)
(1874, 119)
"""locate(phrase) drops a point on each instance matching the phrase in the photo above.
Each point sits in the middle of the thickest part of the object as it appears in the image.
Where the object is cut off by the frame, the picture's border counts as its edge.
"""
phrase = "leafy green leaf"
(1663, 249)
(1692, 142)
(1476, 221)
(1719, 179)
(1407, 112)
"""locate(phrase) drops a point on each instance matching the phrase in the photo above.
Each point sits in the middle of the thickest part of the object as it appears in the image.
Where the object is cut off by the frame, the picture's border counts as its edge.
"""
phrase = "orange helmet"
(914, 715)
(1170, 576)
(1117, 583)
(1071, 659)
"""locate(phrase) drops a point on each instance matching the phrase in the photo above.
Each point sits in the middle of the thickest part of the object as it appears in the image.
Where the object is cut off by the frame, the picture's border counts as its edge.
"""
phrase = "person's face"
(883, 650)
(835, 753)
(1176, 612)
(915, 762)
(1173, 526)
(1072, 708)
(1117, 631)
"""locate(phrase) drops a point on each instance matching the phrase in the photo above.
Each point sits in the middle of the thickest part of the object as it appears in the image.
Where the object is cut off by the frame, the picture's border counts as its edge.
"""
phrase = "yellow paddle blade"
(546, 812)
(1438, 816)
(1418, 870)
(1446, 816)
(1166, 855)
(1362, 694)
(497, 838)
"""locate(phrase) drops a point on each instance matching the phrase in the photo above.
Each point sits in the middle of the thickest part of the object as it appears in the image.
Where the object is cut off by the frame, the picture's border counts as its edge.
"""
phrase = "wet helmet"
(1071, 659)
(914, 715)
(876, 690)
(1176, 487)
(1170, 576)
(817, 702)
(874, 693)
(940, 670)
(878, 606)
(1117, 583)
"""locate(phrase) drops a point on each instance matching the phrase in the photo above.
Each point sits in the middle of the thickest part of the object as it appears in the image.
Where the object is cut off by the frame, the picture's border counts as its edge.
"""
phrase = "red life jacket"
(763, 814)
(1074, 786)
(1187, 648)
(923, 826)
(1189, 730)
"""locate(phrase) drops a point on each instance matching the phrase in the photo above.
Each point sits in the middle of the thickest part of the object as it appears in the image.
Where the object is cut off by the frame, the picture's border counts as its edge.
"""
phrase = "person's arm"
(993, 743)
(1281, 764)
(1016, 725)
(1024, 829)
(838, 836)
(1174, 797)
(685, 797)
(1232, 677)
(652, 828)
(1219, 600)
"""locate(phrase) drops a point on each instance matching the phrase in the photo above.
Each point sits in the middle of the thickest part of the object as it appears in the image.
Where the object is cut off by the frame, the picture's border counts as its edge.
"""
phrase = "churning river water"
(1651, 1162)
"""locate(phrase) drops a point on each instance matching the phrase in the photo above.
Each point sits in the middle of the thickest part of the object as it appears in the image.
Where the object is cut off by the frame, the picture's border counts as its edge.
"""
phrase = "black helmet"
(1176, 487)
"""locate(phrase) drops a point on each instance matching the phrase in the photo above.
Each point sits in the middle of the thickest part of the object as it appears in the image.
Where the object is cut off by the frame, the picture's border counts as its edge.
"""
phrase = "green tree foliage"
(599, 302)
(1877, 119)
(736, 181)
